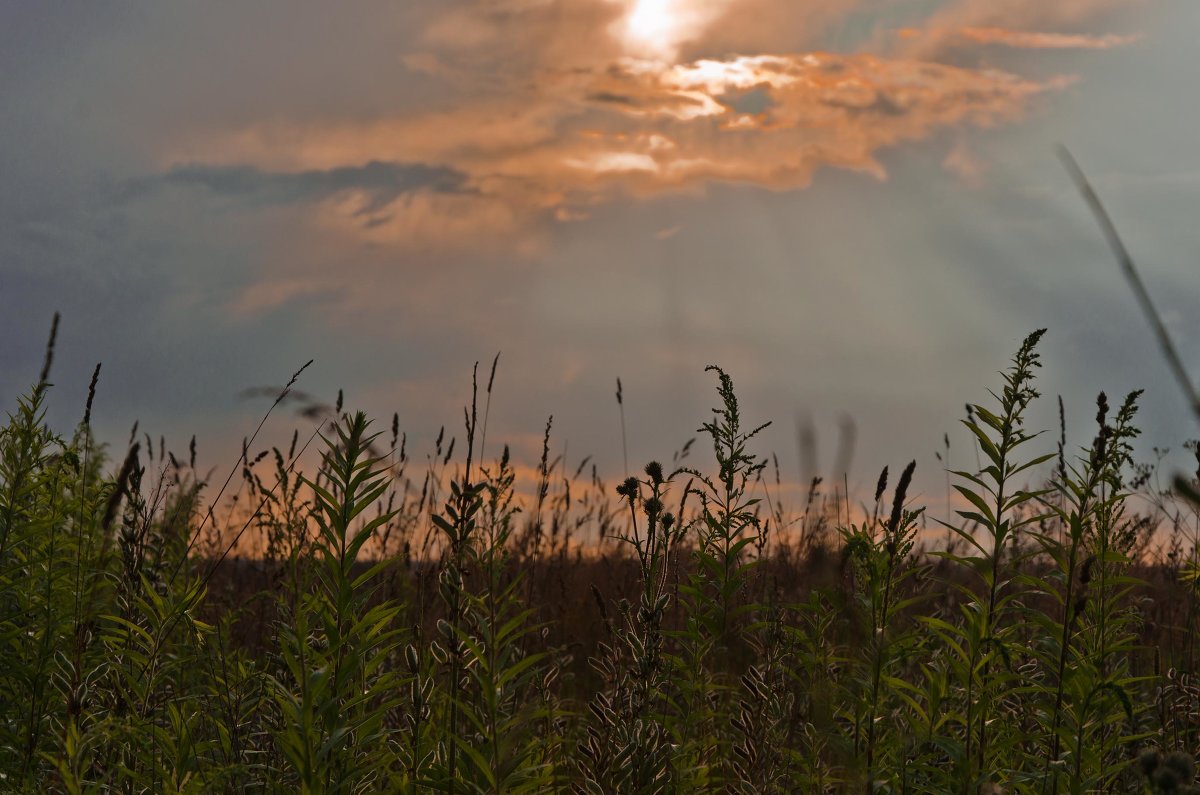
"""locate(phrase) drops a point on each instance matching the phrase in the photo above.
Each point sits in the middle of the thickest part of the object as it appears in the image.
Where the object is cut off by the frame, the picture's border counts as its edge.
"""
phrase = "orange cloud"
(1044, 41)
(945, 28)
(813, 110)
(555, 106)
(634, 128)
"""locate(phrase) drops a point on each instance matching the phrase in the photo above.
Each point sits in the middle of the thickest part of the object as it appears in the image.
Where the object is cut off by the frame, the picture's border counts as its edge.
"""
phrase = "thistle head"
(629, 489)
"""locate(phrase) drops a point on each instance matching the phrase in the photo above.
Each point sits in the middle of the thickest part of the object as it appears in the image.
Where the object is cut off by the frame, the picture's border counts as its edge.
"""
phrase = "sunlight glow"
(739, 72)
(652, 22)
(657, 28)
(616, 163)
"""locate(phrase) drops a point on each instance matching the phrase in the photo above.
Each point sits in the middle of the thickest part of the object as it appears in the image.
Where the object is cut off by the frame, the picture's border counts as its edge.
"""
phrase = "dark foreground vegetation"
(434, 632)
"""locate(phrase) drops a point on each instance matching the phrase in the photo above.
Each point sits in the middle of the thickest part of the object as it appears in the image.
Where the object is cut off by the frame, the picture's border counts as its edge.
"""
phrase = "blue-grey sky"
(853, 206)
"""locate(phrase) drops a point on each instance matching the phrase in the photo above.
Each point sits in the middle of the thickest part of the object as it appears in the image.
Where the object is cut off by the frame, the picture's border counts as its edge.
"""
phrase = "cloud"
(552, 108)
(381, 183)
(965, 164)
(263, 297)
(944, 30)
(758, 26)
(633, 127)
(685, 128)
(1031, 40)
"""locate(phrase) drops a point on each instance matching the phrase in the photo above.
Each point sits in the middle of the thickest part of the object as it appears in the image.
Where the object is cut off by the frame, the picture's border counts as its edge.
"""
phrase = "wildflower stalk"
(1090, 507)
(457, 523)
(337, 690)
(995, 502)
(627, 747)
(885, 557)
(727, 525)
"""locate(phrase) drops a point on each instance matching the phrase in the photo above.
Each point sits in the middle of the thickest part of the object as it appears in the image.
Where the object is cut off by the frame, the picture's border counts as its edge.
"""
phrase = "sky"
(852, 206)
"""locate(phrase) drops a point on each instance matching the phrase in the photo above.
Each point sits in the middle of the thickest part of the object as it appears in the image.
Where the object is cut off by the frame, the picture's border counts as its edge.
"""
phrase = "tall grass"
(435, 632)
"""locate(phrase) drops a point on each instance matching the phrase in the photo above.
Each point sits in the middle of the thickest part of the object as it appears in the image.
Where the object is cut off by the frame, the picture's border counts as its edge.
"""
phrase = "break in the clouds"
(546, 109)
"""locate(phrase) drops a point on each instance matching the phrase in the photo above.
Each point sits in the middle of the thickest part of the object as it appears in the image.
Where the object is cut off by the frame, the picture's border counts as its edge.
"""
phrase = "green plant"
(628, 745)
(149, 647)
(335, 689)
(880, 553)
(981, 646)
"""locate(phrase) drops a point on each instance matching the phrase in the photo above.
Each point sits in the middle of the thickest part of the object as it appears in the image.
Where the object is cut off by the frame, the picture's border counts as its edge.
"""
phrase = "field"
(859, 519)
(436, 631)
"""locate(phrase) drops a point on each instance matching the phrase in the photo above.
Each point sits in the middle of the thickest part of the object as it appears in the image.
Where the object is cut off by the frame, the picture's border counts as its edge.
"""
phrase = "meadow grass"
(404, 631)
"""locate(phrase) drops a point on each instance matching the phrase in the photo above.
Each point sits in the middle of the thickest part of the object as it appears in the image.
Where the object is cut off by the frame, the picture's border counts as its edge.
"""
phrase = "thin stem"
(1135, 280)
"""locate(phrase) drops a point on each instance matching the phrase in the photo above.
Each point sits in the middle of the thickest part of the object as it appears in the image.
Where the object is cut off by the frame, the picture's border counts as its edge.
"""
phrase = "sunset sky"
(853, 206)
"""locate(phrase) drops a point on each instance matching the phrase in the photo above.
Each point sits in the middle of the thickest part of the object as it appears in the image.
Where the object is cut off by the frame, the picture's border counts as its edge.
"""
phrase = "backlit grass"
(434, 632)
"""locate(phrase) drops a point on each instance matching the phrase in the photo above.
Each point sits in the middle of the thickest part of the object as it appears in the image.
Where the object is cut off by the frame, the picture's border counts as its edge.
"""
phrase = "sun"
(651, 20)
(655, 27)
(658, 29)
